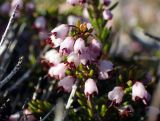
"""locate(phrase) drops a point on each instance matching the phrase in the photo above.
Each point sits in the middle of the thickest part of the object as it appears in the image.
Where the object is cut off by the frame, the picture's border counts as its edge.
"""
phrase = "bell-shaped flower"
(55, 42)
(66, 83)
(90, 87)
(85, 56)
(53, 57)
(73, 2)
(116, 95)
(106, 2)
(66, 46)
(96, 47)
(58, 71)
(40, 23)
(79, 45)
(104, 67)
(60, 31)
(107, 15)
(139, 91)
(73, 58)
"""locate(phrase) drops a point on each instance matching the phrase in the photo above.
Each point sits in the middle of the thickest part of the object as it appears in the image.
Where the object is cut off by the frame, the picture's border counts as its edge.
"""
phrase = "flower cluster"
(75, 55)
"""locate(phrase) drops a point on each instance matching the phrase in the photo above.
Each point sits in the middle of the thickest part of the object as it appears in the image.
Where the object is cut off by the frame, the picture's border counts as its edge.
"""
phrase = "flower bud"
(66, 46)
(55, 42)
(106, 2)
(40, 23)
(53, 57)
(95, 47)
(60, 31)
(116, 95)
(107, 15)
(58, 71)
(138, 91)
(66, 83)
(104, 67)
(73, 58)
(90, 87)
(79, 45)
(30, 7)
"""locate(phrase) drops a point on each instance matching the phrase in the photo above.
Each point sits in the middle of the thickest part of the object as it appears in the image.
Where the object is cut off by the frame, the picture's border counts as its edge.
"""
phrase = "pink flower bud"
(30, 7)
(79, 45)
(90, 87)
(116, 95)
(66, 46)
(66, 83)
(60, 31)
(53, 57)
(73, 2)
(40, 23)
(138, 91)
(85, 56)
(55, 41)
(73, 58)
(106, 2)
(95, 47)
(107, 15)
(104, 67)
(58, 71)
(5, 8)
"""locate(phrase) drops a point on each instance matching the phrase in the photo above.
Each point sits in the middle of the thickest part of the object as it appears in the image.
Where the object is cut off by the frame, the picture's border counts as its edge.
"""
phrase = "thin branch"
(70, 99)
(47, 115)
(9, 24)
(13, 72)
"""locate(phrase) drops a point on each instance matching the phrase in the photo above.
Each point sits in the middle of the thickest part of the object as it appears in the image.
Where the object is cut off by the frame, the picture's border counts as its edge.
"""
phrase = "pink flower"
(106, 2)
(104, 67)
(138, 91)
(79, 45)
(53, 57)
(90, 87)
(116, 95)
(60, 31)
(66, 83)
(55, 41)
(66, 46)
(95, 46)
(30, 7)
(58, 71)
(107, 15)
(85, 56)
(73, 2)
(73, 58)
(40, 23)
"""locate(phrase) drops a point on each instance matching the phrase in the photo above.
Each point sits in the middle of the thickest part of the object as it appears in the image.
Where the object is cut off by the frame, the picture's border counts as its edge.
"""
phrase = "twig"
(46, 116)
(9, 24)
(13, 72)
(70, 99)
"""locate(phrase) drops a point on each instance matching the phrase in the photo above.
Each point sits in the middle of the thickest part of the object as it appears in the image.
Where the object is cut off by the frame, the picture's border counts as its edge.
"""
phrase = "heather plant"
(65, 69)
